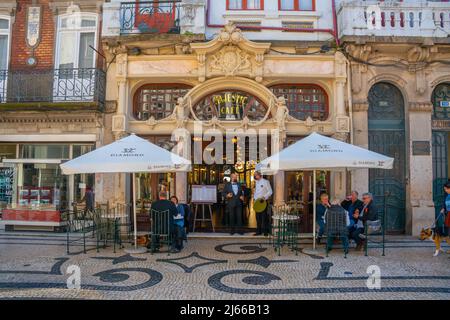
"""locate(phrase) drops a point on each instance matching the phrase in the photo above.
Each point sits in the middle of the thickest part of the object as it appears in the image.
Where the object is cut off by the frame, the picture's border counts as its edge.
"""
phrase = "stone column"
(360, 177)
(278, 188)
(181, 186)
(421, 206)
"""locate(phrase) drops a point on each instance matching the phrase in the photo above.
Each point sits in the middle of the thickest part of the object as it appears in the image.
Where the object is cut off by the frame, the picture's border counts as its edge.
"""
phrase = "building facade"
(399, 54)
(75, 75)
(52, 109)
(177, 67)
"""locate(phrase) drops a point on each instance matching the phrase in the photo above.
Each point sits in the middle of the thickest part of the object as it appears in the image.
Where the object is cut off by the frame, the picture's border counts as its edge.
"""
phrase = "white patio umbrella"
(318, 152)
(128, 155)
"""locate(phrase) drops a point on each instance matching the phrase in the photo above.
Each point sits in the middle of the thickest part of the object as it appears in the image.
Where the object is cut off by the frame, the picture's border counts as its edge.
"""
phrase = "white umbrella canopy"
(318, 152)
(128, 155)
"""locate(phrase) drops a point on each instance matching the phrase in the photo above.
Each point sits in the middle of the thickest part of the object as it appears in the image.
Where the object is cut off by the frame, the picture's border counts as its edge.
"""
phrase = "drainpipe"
(333, 31)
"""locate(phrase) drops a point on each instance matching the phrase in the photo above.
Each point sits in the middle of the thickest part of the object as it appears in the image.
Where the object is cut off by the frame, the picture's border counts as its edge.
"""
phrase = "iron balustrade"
(55, 85)
(150, 17)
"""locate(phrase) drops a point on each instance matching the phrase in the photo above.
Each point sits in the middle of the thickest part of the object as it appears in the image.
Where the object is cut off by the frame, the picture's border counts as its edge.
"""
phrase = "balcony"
(399, 19)
(81, 86)
(153, 17)
(150, 17)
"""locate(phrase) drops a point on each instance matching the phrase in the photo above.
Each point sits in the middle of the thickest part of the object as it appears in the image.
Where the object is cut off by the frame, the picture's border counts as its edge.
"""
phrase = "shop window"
(441, 101)
(296, 5)
(230, 105)
(7, 151)
(245, 4)
(44, 151)
(157, 100)
(304, 101)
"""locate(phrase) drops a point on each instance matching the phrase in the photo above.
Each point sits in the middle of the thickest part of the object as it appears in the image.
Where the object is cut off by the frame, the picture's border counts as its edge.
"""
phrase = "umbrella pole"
(134, 210)
(135, 249)
(314, 209)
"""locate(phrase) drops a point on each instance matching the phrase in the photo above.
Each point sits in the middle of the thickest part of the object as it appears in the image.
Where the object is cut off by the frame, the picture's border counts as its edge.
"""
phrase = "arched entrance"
(440, 141)
(387, 136)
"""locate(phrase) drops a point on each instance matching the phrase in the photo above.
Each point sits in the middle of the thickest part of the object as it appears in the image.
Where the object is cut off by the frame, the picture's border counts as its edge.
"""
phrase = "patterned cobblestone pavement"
(33, 266)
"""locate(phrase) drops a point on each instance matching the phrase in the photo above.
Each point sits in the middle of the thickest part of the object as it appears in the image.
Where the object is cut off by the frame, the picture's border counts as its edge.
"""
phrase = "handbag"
(447, 220)
(373, 227)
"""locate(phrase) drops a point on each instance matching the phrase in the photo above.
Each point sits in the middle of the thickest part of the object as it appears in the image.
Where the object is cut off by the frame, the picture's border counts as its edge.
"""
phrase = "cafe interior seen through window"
(157, 100)
(34, 181)
(304, 100)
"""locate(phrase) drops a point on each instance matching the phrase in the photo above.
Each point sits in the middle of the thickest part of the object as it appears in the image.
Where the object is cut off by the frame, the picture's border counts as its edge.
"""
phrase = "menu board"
(204, 194)
(6, 184)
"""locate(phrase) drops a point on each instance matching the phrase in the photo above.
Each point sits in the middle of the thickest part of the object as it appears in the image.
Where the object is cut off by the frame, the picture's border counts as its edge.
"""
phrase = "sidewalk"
(36, 266)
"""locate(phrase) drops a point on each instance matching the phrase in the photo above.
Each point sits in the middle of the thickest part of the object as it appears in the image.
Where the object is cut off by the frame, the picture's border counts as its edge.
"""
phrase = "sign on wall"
(33, 26)
(230, 105)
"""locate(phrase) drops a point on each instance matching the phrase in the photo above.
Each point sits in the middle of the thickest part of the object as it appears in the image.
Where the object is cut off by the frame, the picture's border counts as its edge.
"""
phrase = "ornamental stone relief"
(230, 61)
(230, 54)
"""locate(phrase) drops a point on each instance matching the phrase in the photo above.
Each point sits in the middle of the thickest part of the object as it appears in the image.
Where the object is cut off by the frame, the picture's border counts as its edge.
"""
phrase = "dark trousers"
(330, 239)
(178, 237)
(354, 234)
(262, 222)
(235, 216)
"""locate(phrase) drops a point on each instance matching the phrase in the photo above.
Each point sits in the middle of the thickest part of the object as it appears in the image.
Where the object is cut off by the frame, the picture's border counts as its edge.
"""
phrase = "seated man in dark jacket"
(163, 204)
(368, 212)
(352, 204)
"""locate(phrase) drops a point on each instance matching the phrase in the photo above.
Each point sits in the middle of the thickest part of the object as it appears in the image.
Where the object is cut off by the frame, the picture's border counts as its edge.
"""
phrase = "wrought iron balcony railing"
(150, 17)
(55, 85)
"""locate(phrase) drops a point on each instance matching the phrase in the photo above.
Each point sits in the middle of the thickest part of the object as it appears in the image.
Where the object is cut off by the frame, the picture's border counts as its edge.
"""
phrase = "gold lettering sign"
(230, 105)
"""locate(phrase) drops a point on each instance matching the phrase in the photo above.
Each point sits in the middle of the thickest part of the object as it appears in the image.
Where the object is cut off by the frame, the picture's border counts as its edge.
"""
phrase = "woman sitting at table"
(178, 231)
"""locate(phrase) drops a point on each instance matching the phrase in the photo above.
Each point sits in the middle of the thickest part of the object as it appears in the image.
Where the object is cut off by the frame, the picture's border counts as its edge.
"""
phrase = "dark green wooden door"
(387, 136)
(440, 166)
(441, 111)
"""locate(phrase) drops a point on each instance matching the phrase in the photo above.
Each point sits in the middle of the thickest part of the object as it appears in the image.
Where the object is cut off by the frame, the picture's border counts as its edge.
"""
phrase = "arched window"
(304, 100)
(157, 100)
(441, 101)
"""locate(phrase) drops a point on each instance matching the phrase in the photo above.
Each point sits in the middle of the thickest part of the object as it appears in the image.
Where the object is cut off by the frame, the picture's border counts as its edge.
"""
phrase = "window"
(441, 101)
(4, 43)
(245, 4)
(304, 100)
(76, 34)
(157, 100)
(297, 5)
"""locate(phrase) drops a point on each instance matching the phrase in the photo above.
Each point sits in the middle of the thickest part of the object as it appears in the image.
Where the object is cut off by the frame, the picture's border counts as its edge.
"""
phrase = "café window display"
(304, 100)
(35, 178)
(230, 105)
(157, 100)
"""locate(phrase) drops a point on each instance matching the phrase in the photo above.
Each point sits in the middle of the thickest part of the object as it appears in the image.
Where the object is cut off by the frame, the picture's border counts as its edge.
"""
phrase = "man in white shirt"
(263, 190)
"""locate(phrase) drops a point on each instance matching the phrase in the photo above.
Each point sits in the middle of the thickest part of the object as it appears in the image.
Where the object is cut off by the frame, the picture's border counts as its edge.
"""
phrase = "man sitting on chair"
(161, 205)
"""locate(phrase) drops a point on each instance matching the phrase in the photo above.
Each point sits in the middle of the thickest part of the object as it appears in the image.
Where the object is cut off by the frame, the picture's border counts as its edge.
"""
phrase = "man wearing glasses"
(368, 212)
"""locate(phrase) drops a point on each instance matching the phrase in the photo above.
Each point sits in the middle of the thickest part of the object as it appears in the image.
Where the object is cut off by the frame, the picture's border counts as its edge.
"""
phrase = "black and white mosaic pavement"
(37, 266)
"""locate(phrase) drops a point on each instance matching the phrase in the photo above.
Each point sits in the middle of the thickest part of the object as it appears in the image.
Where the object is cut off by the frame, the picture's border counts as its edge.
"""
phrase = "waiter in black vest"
(232, 193)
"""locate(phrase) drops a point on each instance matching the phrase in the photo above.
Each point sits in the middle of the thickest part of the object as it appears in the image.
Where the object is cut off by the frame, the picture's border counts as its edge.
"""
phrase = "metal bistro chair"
(336, 227)
(80, 224)
(377, 229)
(284, 228)
(161, 230)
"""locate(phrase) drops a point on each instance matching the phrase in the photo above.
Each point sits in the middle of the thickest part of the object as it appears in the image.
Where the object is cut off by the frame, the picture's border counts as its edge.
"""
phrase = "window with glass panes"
(304, 100)
(297, 5)
(4, 43)
(245, 4)
(157, 100)
(76, 36)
